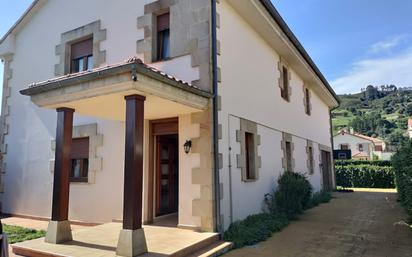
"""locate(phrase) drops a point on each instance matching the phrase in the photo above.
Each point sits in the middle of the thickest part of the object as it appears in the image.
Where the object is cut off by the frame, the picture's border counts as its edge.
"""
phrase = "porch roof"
(100, 92)
(133, 65)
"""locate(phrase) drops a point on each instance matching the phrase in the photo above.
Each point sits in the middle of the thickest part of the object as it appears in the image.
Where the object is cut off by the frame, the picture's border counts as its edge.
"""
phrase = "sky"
(353, 42)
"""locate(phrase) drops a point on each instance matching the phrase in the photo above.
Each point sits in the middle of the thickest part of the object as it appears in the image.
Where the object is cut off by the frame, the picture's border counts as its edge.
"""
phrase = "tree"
(408, 110)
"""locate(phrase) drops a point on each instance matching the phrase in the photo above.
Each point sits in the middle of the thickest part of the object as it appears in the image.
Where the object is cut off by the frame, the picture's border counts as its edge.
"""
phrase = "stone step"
(196, 247)
(217, 249)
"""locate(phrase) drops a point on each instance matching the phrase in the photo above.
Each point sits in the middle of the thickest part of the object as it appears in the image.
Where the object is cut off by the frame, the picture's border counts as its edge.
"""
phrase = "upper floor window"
(82, 56)
(80, 160)
(360, 147)
(307, 102)
(344, 147)
(284, 90)
(163, 37)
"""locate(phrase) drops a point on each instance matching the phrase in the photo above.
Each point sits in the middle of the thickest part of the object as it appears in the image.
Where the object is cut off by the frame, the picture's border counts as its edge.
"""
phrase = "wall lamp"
(187, 146)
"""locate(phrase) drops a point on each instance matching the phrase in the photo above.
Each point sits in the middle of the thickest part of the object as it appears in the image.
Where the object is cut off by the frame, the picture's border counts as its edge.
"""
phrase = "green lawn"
(19, 234)
(340, 122)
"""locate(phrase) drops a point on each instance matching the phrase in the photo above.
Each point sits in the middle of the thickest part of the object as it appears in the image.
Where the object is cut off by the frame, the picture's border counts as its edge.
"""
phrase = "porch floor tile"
(102, 241)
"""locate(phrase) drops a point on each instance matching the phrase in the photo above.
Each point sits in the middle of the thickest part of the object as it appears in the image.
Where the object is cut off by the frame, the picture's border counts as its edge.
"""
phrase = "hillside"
(378, 112)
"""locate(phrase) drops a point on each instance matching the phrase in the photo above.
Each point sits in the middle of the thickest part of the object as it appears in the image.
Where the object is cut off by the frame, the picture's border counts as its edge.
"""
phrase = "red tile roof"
(373, 139)
(126, 66)
(131, 60)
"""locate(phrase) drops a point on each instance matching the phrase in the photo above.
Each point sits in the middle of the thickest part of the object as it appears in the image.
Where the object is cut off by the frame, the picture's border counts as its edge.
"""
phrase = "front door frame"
(168, 126)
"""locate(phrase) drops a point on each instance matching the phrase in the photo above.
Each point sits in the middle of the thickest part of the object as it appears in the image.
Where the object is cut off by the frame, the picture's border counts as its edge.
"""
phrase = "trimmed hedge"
(380, 163)
(364, 175)
(402, 165)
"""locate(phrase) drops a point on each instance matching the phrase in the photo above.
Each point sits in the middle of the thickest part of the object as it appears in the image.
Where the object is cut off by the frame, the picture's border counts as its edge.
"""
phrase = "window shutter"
(80, 148)
(163, 22)
(82, 49)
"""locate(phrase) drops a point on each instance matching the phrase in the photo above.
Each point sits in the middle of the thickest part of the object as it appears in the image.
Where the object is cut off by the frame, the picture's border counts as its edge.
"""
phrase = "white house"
(362, 147)
(138, 109)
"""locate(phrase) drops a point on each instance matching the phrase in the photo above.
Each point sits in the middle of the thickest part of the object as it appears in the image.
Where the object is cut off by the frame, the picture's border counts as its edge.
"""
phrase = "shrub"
(363, 175)
(402, 165)
(292, 195)
(318, 198)
(255, 228)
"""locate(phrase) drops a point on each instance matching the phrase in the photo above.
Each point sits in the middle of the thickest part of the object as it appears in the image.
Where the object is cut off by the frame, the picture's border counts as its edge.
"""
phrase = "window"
(360, 147)
(82, 56)
(311, 160)
(344, 147)
(288, 146)
(307, 101)
(80, 160)
(250, 156)
(163, 37)
(284, 91)
(379, 148)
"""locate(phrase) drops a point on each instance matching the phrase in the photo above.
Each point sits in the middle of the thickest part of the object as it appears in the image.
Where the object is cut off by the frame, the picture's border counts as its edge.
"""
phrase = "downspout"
(332, 144)
(216, 180)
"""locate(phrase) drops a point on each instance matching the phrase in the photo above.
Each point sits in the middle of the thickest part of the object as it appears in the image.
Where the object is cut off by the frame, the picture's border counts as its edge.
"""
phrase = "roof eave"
(289, 34)
(107, 72)
(19, 21)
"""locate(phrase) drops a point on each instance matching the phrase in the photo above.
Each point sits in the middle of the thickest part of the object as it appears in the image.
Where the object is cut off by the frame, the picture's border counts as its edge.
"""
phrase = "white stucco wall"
(249, 90)
(28, 181)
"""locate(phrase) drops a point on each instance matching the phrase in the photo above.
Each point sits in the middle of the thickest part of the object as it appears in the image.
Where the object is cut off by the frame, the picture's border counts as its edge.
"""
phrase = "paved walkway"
(29, 223)
(360, 224)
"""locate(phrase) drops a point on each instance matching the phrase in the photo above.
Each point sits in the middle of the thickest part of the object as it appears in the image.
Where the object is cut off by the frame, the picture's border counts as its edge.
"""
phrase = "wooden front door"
(167, 174)
(326, 171)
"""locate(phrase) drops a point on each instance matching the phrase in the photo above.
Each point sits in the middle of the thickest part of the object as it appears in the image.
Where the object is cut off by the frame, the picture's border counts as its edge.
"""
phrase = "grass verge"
(19, 234)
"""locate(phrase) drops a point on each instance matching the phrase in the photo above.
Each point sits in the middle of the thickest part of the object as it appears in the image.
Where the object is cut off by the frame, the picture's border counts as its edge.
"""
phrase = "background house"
(410, 128)
(362, 147)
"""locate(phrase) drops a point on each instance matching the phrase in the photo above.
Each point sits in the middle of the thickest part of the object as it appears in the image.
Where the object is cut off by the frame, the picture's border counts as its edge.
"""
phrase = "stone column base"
(58, 232)
(131, 243)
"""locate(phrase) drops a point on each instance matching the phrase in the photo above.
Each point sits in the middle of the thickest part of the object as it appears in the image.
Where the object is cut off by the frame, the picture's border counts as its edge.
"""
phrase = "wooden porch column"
(59, 230)
(132, 241)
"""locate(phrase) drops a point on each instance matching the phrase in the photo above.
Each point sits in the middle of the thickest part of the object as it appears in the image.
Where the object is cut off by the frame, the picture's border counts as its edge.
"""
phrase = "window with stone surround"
(80, 50)
(248, 160)
(80, 160)
(250, 156)
(163, 37)
(86, 162)
(287, 145)
(284, 81)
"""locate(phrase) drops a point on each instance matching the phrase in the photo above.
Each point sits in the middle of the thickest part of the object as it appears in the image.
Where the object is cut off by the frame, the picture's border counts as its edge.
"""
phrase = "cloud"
(388, 44)
(394, 69)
